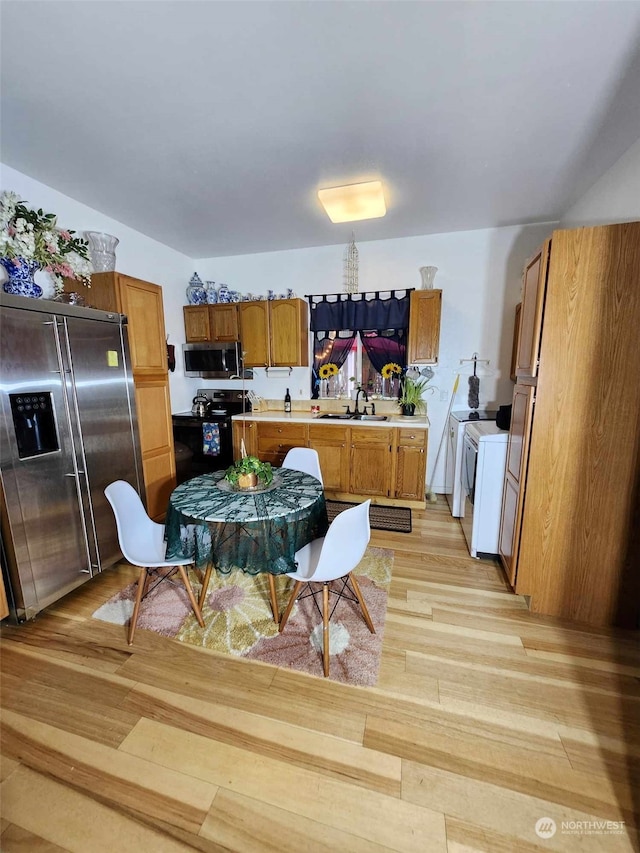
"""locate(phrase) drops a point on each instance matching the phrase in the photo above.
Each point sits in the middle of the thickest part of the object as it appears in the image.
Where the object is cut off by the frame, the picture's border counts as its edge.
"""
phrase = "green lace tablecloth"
(254, 531)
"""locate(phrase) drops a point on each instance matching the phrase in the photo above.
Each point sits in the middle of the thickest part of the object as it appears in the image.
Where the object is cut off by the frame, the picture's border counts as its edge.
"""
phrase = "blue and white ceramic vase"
(20, 272)
(224, 294)
(196, 293)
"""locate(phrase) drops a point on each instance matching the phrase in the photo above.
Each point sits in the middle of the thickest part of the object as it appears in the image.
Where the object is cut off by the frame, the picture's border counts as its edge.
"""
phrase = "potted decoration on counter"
(249, 473)
(411, 391)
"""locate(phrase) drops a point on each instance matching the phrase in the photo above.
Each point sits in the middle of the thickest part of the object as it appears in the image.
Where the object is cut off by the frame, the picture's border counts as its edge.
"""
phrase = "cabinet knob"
(412, 436)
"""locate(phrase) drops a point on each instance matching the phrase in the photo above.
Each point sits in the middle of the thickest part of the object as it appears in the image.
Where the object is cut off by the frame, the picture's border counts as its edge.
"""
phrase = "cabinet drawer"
(412, 437)
(327, 433)
(290, 432)
(371, 435)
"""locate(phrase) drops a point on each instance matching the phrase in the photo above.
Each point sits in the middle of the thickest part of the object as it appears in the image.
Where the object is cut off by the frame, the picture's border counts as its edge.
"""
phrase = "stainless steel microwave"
(212, 361)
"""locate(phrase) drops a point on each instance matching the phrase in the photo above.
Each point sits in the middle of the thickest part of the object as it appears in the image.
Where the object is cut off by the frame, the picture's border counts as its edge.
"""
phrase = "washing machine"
(455, 439)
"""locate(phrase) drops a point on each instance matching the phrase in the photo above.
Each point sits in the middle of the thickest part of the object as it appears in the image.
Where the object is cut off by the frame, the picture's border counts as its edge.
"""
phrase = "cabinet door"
(224, 322)
(247, 430)
(516, 342)
(411, 464)
(197, 327)
(515, 483)
(371, 461)
(142, 303)
(275, 440)
(533, 292)
(254, 333)
(332, 445)
(156, 442)
(289, 333)
(424, 326)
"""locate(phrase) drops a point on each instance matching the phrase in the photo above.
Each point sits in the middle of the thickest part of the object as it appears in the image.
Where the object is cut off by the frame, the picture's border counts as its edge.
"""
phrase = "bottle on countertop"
(287, 401)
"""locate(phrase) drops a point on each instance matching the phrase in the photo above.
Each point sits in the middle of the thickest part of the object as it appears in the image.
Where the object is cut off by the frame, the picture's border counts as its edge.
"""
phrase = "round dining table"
(217, 525)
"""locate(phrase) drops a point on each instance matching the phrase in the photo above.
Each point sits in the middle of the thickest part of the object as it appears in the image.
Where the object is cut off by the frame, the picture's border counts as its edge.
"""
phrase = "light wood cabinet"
(356, 461)
(247, 430)
(332, 444)
(425, 308)
(371, 461)
(276, 439)
(516, 342)
(4, 605)
(141, 301)
(578, 546)
(515, 474)
(204, 323)
(275, 333)
(533, 290)
(411, 464)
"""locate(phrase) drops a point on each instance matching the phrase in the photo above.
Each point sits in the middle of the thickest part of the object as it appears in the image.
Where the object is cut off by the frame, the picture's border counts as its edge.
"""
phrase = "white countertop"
(393, 420)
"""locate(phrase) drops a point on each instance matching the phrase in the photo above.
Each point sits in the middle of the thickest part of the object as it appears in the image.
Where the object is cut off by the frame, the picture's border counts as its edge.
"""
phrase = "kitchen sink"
(336, 416)
(370, 417)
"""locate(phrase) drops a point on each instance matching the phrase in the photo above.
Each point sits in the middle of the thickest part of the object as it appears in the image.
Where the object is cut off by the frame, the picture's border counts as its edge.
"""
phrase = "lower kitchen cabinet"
(247, 430)
(411, 464)
(276, 439)
(371, 461)
(332, 445)
(357, 462)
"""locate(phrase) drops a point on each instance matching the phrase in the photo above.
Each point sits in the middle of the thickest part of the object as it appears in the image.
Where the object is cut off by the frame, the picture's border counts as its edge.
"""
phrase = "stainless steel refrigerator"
(67, 429)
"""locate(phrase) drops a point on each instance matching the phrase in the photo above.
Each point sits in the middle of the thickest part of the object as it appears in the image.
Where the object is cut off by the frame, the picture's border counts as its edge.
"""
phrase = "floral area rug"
(238, 620)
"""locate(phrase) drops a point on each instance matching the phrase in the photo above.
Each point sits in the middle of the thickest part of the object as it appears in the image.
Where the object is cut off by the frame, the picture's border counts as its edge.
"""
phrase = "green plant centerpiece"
(411, 391)
(249, 472)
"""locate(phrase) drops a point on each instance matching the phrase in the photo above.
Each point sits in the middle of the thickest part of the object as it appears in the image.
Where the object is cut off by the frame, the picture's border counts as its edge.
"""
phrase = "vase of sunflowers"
(328, 376)
(391, 373)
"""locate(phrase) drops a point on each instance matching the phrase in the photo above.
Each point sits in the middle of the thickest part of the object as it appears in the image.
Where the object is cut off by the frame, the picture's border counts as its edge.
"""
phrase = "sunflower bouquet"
(391, 370)
(327, 370)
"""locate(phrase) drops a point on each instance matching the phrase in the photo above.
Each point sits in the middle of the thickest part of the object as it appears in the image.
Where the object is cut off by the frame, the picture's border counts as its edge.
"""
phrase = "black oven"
(189, 434)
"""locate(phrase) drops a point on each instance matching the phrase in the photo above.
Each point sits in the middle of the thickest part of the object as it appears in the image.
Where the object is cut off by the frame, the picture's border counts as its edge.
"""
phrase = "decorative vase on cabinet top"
(196, 293)
(102, 250)
(20, 272)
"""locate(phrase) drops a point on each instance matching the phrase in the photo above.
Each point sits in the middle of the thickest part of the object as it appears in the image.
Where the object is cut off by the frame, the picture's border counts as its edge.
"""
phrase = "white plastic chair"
(331, 557)
(142, 544)
(303, 459)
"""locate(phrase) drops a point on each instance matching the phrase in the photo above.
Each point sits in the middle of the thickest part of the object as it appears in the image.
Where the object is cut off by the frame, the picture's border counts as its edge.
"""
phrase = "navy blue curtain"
(382, 347)
(359, 313)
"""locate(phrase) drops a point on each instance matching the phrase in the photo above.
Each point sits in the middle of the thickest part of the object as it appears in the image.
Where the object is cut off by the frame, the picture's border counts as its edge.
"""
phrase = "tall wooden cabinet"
(569, 535)
(141, 301)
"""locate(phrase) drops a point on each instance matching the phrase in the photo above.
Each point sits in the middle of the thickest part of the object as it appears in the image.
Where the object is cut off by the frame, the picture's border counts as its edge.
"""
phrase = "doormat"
(238, 620)
(394, 518)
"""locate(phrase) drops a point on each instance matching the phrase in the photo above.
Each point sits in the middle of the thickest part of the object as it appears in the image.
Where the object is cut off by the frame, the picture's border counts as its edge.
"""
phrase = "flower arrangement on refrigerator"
(32, 235)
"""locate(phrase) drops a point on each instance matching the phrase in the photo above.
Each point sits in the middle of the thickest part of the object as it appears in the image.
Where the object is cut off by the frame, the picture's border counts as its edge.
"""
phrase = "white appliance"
(453, 468)
(484, 455)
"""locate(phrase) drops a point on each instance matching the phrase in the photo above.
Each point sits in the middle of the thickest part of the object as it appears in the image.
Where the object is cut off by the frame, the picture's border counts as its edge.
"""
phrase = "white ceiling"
(210, 125)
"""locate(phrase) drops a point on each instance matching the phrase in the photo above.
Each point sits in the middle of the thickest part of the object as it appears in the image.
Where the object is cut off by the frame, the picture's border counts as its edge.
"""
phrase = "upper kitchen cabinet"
(141, 301)
(533, 290)
(274, 333)
(423, 344)
(203, 323)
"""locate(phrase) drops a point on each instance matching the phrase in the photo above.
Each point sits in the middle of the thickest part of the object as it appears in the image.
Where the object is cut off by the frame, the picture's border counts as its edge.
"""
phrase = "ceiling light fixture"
(354, 202)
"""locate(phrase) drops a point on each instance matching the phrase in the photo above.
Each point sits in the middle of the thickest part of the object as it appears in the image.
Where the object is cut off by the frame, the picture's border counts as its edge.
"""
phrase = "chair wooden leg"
(274, 599)
(205, 586)
(325, 629)
(192, 598)
(359, 596)
(294, 595)
(142, 582)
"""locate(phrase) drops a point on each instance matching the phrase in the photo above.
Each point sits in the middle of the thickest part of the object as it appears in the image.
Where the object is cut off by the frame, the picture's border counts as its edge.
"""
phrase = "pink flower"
(65, 235)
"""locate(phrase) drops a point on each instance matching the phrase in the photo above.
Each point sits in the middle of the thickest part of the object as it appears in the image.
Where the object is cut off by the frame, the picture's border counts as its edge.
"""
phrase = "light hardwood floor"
(484, 720)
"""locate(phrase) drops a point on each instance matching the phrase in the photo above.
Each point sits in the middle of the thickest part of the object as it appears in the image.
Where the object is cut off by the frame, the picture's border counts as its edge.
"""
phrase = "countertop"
(393, 420)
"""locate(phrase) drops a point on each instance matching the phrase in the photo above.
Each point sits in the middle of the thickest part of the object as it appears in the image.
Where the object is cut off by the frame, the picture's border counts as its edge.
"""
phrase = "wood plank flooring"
(485, 719)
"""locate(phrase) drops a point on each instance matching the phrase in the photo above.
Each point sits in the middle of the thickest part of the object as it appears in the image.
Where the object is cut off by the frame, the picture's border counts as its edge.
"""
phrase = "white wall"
(479, 273)
(615, 197)
(136, 255)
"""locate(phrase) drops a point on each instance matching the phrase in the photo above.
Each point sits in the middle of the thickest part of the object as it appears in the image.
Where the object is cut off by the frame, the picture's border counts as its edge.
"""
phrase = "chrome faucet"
(366, 399)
